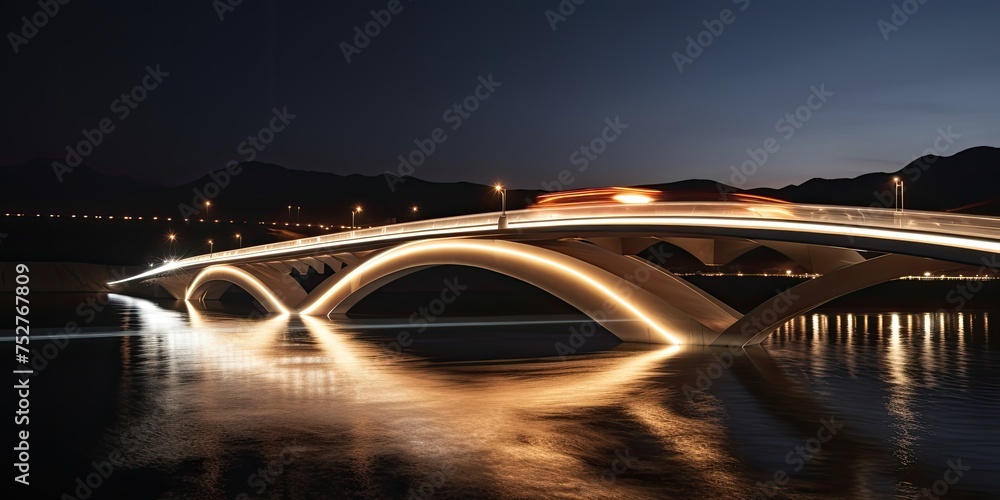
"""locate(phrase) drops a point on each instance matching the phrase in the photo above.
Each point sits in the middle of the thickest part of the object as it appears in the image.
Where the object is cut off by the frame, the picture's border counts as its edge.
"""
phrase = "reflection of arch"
(626, 310)
(207, 283)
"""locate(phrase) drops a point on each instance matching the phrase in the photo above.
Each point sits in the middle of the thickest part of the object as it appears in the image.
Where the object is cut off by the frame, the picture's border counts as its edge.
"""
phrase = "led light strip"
(806, 227)
(405, 250)
(245, 278)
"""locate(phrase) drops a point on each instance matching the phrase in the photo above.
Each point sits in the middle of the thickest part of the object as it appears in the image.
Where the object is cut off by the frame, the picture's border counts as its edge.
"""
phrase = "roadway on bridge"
(955, 237)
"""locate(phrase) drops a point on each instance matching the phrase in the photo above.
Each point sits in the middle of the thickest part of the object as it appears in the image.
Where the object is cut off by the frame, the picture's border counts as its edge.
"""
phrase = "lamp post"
(239, 237)
(502, 223)
(289, 214)
(413, 211)
(211, 248)
(900, 198)
(356, 210)
(298, 214)
(207, 217)
(171, 238)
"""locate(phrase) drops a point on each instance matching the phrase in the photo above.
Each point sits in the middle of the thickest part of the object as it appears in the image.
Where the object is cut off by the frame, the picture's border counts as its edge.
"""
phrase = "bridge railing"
(408, 228)
(965, 225)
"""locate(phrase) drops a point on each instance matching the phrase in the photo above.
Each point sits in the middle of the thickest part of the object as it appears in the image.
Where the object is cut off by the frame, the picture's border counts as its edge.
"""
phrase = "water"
(194, 404)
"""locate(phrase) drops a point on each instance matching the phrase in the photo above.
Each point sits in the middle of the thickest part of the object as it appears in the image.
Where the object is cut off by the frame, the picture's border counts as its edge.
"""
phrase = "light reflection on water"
(206, 399)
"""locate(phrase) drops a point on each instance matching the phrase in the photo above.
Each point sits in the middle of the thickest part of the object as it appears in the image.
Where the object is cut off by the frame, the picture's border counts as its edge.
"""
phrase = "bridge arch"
(767, 317)
(213, 280)
(626, 310)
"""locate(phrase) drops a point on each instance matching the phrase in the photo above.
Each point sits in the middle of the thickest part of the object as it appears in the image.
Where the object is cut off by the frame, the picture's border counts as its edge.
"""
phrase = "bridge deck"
(844, 224)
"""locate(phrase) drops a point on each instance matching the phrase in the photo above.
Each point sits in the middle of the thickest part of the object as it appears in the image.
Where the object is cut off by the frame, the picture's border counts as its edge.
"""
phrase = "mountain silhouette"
(964, 182)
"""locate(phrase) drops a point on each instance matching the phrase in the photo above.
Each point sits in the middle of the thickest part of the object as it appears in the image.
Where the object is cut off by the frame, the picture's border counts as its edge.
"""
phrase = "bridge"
(588, 257)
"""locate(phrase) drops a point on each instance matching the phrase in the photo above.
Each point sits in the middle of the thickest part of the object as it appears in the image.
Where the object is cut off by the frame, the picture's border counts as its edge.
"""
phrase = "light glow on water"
(205, 398)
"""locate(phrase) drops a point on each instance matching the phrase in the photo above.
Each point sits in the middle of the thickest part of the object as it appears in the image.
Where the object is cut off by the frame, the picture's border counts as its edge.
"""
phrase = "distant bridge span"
(586, 256)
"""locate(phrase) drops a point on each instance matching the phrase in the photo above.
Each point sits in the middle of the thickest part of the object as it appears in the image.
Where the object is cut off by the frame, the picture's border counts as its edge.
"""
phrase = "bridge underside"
(601, 276)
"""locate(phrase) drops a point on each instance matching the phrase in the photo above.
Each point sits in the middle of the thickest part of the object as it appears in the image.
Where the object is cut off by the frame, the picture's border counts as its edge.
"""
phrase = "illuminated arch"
(207, 281)
(624, 309)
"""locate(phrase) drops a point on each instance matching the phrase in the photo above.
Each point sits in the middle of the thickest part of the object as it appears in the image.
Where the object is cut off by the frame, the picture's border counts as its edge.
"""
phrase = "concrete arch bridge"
(587, 256)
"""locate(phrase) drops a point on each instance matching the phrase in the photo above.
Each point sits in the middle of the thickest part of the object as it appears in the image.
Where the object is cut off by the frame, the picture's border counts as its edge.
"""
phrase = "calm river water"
(164, 401)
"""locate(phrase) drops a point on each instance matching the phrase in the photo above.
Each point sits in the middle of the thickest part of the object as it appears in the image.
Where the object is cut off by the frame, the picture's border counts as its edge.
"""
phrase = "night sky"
(890, 97)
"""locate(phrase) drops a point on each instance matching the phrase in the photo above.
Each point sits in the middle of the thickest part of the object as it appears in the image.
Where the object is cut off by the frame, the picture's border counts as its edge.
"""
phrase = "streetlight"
(413, 211)
(171, 238)
(356, 210)
(899, 194)
(207, 204)
(289, 213)
(211, 248)
(502, 223)
(239, 237)
(298, 214)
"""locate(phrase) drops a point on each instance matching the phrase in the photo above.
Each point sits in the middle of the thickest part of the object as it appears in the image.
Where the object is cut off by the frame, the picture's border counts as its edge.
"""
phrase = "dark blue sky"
(939, 69)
